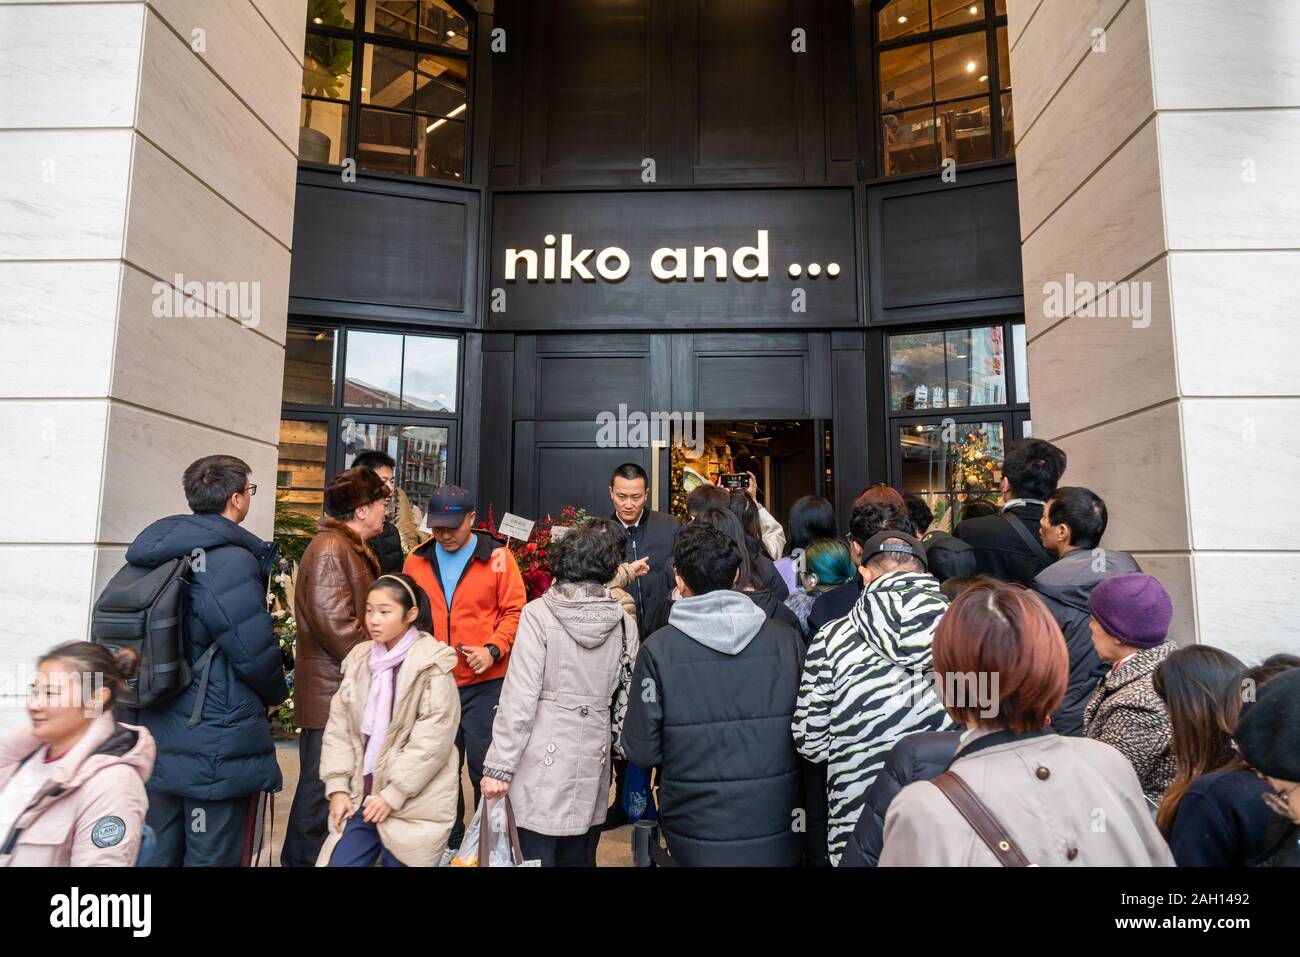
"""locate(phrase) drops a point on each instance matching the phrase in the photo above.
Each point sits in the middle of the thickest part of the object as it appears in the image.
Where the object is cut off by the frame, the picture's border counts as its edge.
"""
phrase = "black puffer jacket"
(715, 695)
(387, 546)
(922, 756)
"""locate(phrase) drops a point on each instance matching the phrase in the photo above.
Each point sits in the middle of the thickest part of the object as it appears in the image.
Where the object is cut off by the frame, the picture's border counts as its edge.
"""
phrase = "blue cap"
(448, 506)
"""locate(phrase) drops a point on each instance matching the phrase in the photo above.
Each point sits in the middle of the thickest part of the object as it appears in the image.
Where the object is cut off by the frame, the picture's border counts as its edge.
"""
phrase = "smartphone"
(738, 481)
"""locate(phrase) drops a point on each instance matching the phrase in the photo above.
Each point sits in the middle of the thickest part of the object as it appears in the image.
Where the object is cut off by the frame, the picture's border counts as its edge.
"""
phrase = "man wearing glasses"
(215, 754)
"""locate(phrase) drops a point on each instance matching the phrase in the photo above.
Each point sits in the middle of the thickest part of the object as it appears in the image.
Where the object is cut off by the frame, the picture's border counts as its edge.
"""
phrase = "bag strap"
(979, 817)
(1034, 544)
(204, 664)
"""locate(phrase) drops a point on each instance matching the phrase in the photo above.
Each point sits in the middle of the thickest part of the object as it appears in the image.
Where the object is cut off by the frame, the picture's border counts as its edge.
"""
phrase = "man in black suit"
(648, 536)
(1007, 545)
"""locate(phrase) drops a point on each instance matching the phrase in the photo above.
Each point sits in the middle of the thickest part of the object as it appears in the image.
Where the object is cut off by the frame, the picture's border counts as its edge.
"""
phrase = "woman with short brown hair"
(1000, 666)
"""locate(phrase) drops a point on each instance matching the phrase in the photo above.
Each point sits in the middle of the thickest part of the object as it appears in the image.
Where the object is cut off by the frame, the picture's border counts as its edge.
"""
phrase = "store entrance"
(789, 457)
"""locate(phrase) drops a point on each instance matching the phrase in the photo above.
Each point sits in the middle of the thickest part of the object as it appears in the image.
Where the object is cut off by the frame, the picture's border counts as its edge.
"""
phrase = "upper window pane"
(374, 371)
(440, 23)
(332, 13)
(902, 18)
(957, 13)
(961, 66)
(916, 370)
(309, 357)
(976, 367)
(388, 77)
(440, 85)
(327, 66)
(429, 377)
(905, 77)
(947, 370)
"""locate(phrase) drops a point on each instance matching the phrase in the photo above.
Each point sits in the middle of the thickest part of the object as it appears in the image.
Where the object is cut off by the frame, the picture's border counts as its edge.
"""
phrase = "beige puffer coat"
(551, 736)
(418, 771)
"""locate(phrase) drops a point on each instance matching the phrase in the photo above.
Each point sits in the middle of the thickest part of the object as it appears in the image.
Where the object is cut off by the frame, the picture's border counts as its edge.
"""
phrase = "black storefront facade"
(686, 207)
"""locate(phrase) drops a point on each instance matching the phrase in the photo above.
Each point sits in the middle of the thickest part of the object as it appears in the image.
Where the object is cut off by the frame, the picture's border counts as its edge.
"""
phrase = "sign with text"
(664, 258)
(512, 526)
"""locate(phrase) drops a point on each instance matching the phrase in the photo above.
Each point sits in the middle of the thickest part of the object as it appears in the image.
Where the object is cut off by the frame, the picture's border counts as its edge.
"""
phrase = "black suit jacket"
(653, 535)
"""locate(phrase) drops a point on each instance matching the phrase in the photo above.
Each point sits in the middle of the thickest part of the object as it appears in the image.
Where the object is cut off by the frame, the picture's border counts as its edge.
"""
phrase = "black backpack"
(147, 609)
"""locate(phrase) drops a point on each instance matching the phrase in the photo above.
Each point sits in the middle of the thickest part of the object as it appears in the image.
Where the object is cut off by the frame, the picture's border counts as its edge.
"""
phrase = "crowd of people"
(853, 691)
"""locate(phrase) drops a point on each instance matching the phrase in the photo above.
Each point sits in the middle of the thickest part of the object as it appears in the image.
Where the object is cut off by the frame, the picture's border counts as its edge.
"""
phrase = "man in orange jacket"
(476, 594)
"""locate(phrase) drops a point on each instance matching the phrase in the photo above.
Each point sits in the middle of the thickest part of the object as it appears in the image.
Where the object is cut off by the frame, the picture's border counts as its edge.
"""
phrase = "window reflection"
(957, 368)
(429, 376)
(300, 470)
(309, 357)
(374, 371)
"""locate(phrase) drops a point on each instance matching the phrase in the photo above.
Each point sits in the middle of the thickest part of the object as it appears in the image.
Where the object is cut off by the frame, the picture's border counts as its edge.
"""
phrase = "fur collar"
(328, 524)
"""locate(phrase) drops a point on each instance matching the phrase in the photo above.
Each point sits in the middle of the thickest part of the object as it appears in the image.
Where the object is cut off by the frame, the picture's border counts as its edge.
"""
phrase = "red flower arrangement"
(532, 556)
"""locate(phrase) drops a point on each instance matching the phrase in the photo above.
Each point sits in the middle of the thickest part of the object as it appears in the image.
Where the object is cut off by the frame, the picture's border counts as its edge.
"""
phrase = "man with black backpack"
(1006, 545)
(215, 754)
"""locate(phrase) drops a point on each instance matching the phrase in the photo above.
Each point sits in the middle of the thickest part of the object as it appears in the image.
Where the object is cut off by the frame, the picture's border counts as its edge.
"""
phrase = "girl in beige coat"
(389, 746)
(551, 738)
(1061, 801)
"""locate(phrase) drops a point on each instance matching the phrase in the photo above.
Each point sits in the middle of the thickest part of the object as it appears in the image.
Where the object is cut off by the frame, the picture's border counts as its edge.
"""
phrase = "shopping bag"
(467, 853)
(492, 840)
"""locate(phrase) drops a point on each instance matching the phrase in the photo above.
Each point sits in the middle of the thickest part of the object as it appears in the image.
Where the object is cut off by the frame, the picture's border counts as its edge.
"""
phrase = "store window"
(943, 71)
(387, 83)
(347, 391)
(957, 397)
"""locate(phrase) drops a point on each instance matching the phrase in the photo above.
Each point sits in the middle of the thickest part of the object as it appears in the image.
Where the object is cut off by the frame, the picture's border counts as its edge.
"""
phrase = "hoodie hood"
(725, 621)
(178, 536)
(1071, 579)
(587, 611)
(896, 616)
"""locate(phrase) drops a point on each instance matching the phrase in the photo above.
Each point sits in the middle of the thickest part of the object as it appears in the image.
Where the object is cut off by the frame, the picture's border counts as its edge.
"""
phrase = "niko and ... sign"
(655, 258)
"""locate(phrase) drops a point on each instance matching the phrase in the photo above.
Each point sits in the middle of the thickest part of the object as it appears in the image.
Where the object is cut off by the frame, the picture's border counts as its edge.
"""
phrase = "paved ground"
(615, 846)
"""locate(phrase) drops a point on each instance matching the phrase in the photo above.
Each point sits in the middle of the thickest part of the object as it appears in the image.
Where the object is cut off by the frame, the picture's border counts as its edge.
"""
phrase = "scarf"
(379, 699)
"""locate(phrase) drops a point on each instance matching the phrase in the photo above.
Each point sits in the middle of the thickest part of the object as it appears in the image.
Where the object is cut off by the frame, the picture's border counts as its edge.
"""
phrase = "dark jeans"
(575, 850)
(197, 833)
(309, 815)
(478, 708)
(360, 846)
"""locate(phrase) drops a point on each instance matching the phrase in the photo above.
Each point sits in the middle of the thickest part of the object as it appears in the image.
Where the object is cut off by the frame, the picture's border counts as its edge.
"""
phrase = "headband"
(409, 590)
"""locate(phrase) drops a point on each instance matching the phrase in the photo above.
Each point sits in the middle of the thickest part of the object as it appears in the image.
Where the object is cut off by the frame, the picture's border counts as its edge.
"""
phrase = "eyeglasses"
(251, 490)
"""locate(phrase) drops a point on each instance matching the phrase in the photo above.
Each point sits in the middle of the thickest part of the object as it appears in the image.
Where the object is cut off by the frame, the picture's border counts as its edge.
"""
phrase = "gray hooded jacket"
(551, 735)
(1065, 586)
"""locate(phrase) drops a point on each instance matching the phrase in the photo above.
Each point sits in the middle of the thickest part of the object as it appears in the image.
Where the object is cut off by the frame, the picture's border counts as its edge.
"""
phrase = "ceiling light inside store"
(974, 10)
(970, 66)
(318, 21)
(902, 19)
(437, 123)
(984, 78)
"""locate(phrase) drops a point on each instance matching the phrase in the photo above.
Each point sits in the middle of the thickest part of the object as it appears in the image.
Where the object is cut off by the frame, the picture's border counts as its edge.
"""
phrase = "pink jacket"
(96, 817)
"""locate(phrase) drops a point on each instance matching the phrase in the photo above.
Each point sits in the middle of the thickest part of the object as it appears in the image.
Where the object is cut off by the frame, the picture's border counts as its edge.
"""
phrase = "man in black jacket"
(387, 545)
(647, 534)
(1071, 529)
(1007, 545)
(713, 695)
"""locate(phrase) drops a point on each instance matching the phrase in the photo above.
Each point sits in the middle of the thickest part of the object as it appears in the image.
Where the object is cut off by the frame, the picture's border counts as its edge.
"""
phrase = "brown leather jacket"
(329, 606)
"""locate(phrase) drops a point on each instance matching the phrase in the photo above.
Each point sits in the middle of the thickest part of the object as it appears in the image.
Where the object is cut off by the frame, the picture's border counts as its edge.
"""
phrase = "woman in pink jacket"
(72, 781)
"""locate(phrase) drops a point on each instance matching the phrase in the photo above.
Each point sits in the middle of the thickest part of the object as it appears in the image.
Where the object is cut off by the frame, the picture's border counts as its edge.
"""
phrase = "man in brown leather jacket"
(329, 607)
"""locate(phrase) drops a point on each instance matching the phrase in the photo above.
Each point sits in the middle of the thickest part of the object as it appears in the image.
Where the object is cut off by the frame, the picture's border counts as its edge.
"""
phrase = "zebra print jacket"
(865, 685)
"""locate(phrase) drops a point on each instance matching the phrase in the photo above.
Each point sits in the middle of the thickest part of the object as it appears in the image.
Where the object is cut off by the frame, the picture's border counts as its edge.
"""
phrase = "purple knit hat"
(1134, 608)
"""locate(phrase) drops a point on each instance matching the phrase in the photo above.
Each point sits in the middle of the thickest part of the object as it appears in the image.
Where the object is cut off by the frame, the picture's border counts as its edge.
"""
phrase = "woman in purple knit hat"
(1130, 627)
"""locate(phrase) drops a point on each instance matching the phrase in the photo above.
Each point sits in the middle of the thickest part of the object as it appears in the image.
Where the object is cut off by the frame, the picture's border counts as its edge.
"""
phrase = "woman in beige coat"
(551, 738)
(389, 746)
(1001, 664)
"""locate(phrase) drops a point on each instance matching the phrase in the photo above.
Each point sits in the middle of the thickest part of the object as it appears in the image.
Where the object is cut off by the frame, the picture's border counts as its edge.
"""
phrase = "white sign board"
(559, 531)
(512, 526)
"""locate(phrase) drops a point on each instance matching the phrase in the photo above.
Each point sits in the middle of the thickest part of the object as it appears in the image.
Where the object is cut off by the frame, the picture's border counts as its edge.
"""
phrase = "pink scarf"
(379, 700)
